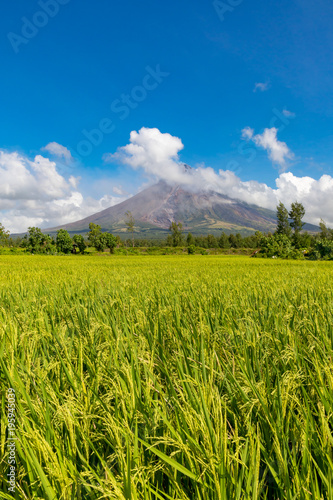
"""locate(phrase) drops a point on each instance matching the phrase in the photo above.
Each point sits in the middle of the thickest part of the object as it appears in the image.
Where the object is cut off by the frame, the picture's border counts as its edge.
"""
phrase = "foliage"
(296, 215)
(130, 222)
(191, 249)
(277, 245)
(176, 229)
(64, 241)
(4, 235)
(325, 232)
(224, 241)
(323, 249)
(282, 215)
(168, 377)
(189, 240)
(101, 242)
(37, 241)
(111, 242)
(79, 241)
(94, 233)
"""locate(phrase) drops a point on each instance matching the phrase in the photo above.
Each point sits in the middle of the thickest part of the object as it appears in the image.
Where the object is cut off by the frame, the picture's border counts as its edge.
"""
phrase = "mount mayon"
(201, 213)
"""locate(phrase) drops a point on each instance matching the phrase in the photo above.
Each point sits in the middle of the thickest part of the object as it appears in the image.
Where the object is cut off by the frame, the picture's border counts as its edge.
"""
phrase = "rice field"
(167, 377)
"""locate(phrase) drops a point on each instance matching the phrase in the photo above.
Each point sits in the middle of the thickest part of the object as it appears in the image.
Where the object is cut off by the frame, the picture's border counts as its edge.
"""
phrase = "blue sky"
(64, 75)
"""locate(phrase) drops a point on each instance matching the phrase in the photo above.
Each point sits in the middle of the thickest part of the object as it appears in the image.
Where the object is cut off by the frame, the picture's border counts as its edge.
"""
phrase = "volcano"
(203, 212)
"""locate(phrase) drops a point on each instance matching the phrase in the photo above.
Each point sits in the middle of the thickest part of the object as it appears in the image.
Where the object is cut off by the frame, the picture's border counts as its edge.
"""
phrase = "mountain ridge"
(155, 207)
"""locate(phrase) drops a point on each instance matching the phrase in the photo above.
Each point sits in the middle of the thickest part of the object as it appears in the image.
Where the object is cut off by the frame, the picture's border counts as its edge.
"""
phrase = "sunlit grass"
(182, 377)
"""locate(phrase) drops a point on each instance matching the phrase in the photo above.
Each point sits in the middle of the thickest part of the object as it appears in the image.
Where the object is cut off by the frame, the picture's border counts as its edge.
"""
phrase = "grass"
(158, 377)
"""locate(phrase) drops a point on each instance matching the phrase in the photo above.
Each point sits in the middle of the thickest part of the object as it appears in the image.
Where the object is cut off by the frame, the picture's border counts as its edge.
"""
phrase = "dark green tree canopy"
(282, 215)
(111, 242)
(79, 241)
(4, 235)
(189, 239)
(130, 222)
(94, 232)
(101, 242)
(176, 229)
(36, 239)
(64, 241)
(296, 215)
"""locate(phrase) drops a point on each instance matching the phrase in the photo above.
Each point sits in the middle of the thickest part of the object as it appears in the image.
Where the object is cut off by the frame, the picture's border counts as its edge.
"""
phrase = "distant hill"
(157, 206)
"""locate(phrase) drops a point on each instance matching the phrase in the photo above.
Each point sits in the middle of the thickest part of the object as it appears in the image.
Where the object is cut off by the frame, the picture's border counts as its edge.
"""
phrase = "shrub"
(191, 250)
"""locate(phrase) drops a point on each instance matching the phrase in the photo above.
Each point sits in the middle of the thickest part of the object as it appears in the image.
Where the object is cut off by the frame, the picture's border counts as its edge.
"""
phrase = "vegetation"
(295, 245)
(4, 235)
(296, 215)
(289, 241)
(168, 377)
(79, 241)
(64, 241)
(282, 216)
(176, 237)
(94, 234)
(130, 222)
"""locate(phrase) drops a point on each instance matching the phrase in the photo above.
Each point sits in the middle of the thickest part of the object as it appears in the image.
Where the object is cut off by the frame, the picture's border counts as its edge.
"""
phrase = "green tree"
(201, 241)
(94, 232)
(36, 239)
(4, 235)
(236, 241)
(111, 242)
(64, 241)
(189, 240)
(130, 224)
(296, 215)
(277, 245)
(79, 241)
(282, 215)
(169, 241)
(212, 241)
(224, 241)
(176, 233)
(191, 249)
(49, 244)
(101, 242)
(325, 232)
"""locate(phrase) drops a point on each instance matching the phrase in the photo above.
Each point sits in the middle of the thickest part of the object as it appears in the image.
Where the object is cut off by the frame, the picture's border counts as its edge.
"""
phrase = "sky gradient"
(245, 87)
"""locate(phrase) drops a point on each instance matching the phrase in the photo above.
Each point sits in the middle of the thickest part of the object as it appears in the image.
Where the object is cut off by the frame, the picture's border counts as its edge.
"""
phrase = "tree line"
(288, 241)
(35, 241)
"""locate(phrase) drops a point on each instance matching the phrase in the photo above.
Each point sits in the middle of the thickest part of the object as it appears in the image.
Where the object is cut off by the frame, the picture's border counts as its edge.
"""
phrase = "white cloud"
(74, 181)
(58, 150)
(118, 190)
(278, 151)
(262, 87)
(288, 114)
(247, 133)
(153, 152)
(142, 153)
(34, 193)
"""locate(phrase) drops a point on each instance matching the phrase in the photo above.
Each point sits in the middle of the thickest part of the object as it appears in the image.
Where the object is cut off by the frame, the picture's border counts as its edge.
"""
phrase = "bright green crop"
(182, 377)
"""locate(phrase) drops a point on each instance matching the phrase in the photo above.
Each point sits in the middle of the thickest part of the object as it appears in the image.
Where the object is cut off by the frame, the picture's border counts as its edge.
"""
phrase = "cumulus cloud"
(154, 152)
(32, 192)
(58, 150)
(278, 151)
(262, 87)
(143, 153)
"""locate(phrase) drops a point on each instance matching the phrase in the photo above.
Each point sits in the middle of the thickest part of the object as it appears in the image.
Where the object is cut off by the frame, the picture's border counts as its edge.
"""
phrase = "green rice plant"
(167, 377)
